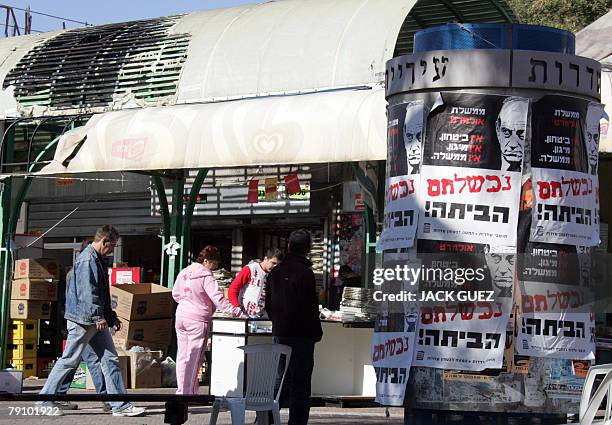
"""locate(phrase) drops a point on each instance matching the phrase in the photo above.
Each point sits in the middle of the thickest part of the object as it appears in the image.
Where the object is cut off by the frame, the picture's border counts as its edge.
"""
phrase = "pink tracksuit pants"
(191, 337)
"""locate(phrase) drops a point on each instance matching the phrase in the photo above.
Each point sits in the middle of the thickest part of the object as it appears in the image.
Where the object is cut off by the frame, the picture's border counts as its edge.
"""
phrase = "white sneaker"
(131, 410)
(49, 408)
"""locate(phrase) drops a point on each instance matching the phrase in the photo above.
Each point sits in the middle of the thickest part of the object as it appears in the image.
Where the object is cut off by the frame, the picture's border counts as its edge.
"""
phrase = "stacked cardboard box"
(145, 369)
(145, 311)
(33, 289)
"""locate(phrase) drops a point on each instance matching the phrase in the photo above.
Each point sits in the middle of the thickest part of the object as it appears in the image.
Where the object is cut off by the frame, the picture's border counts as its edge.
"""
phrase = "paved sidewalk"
(91, 413)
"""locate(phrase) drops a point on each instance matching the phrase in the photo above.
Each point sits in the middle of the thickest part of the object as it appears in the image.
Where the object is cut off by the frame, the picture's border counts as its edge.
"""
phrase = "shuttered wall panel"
(129, 212)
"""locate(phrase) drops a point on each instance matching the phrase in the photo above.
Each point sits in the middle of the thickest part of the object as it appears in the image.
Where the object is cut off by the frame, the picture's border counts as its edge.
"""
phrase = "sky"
(107, 11)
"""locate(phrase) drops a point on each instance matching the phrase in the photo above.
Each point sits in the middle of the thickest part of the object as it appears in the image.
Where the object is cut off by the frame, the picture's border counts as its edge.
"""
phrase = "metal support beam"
(5, 253)
(450, 6)
(9, 218)
(176, 228)
(189, 207)
(45, 154)
(165, 236)
(502, 10)
(369, 222)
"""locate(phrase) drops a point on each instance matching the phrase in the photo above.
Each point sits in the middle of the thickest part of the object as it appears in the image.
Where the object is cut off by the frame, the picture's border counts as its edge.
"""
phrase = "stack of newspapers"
(223, 277)
(357, 304)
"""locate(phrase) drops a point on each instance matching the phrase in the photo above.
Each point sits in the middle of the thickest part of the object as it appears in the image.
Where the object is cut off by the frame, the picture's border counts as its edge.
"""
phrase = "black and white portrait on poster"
(511, 129)
(591, 134)
(402, 184)
(405, 136)
(471, 172)
(501, 264)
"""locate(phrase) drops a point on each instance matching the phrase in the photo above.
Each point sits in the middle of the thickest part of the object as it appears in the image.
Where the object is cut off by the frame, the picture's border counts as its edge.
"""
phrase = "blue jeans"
(103, 347)
(93, 366)
(296, 387)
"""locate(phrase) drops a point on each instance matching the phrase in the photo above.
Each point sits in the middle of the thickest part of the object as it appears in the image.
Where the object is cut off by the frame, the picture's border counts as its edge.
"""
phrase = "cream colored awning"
(334, 126)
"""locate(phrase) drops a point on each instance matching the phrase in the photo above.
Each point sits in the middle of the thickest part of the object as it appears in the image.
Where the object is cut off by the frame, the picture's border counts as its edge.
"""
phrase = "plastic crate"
(27, 366)
(21, 349)
(44, 366)
(46, 330)
(47, 349)
(22, 330)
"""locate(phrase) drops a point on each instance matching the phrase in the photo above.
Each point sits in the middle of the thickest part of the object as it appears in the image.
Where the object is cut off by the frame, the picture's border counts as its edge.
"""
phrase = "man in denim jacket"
(89, 315)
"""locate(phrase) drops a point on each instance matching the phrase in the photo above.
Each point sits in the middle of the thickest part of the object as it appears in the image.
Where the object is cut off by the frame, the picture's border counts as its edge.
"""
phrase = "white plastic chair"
(262, 362)
(589, 404)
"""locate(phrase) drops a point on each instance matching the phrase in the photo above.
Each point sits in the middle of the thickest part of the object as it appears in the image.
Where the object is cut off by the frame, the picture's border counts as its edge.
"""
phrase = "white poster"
(394, 333)
(401, 213)
(474, 339)
(556, 321)
(565, 210)
(471, 172)
(403, 170)
(391, 357)
(462, 323)
(469, 205)
(557, 335)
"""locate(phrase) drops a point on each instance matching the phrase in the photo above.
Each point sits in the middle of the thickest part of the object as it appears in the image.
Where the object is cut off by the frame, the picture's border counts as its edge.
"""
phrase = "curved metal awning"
(335, 126)
(287, 46)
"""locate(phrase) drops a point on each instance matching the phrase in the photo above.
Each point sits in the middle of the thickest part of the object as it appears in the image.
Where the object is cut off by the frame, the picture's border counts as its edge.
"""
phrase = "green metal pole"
(27, 181)
(189, 207)
(380, 202)
(5, 253)
(370, 245)
(163, 205)
(176, 227)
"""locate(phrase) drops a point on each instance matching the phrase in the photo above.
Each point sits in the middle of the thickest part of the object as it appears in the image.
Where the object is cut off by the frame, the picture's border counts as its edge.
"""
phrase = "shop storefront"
(204, 114)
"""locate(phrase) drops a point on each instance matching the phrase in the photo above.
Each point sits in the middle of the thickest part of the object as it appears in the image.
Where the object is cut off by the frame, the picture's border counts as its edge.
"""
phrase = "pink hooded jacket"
(198, 296)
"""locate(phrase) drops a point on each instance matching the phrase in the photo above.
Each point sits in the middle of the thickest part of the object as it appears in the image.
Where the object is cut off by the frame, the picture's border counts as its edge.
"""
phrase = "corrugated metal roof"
(428, 13)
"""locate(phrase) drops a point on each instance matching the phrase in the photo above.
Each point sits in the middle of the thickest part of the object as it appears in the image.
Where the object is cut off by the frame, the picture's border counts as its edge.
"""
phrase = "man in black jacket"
(293, 307)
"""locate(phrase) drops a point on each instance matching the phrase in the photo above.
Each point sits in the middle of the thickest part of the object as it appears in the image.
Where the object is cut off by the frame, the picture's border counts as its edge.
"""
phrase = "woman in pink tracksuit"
(198, 296)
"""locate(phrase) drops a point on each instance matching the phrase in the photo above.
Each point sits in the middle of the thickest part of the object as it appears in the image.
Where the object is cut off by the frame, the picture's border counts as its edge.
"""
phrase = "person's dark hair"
(299, 242)
(210, 253)
(275, 253)
(344, 270)
(109, 232)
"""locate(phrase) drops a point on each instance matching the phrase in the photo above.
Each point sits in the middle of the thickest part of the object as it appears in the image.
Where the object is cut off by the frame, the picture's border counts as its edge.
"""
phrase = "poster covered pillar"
(473, 178)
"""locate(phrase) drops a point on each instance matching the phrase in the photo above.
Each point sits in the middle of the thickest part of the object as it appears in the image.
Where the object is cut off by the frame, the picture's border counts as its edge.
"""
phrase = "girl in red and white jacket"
(248, 290)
